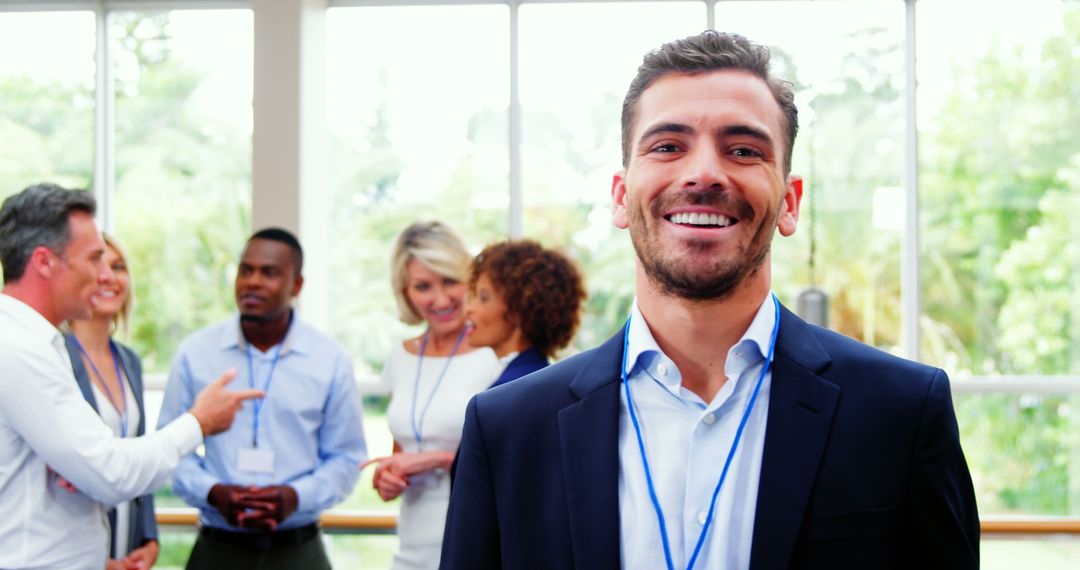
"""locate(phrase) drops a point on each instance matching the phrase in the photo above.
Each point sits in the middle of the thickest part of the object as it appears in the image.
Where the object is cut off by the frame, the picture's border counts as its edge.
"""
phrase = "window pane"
(183, 83)
(845, 59)
(572, 86)
(46, 99)
(1023, 452)
(417, 114)
(1000, 185)
(417, 102)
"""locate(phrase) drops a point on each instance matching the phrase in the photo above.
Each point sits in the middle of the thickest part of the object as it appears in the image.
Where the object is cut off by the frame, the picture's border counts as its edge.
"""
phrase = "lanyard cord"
(120, 406)
(258, 402)
(418, 426)
(731, 452)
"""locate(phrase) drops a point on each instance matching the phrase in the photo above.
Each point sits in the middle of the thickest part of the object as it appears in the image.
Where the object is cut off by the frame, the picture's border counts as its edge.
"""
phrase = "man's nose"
(705, 168)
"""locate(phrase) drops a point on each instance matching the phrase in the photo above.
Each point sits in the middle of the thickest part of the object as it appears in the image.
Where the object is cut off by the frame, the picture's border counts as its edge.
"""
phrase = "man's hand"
(143, 557)
(215, 407)
(254, 507)
(228, 500)
(269, 506)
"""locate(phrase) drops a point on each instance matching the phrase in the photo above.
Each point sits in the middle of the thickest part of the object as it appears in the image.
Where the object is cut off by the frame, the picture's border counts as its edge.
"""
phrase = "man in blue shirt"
(717, 429)
(260, 487)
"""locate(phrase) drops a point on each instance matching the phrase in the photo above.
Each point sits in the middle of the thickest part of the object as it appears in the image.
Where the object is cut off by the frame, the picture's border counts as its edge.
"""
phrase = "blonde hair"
(121, 321)
(436, 246)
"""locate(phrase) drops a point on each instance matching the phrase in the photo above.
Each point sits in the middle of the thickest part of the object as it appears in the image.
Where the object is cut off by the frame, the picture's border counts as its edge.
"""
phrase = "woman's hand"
(143, 557)
(389, 481)
(393, 471)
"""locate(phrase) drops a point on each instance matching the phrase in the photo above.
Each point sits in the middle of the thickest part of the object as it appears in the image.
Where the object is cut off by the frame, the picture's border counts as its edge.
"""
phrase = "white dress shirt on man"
(47, 428)
(686, 442)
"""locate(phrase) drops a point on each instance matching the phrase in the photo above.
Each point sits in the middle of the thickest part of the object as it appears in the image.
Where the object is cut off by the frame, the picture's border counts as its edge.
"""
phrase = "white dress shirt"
(687, 441)
(121, 533)
(46, 424)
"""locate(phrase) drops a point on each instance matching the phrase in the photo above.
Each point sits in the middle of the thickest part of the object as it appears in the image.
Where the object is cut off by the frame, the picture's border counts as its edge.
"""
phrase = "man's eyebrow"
(747, 131)
(673, 128)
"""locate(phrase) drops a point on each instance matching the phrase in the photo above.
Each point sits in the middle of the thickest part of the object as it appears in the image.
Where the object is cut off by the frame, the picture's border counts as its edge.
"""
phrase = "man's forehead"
(699, 95)
(262, 252)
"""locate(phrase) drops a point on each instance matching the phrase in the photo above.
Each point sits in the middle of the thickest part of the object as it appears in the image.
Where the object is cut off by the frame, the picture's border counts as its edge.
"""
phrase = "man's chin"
(252, 318)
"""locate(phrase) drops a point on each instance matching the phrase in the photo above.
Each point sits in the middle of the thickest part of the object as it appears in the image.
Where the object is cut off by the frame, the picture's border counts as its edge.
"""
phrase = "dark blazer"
(862, 466)
(528, 361)
(143, 524)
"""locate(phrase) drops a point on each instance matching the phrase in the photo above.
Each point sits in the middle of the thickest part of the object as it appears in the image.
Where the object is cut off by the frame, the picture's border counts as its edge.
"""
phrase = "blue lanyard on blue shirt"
(258, 402)
(730, 455)
(120, 406)
(417, 426)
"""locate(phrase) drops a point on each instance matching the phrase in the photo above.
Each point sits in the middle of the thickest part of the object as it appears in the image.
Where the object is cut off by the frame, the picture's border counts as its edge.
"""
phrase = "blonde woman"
(431, 377)
(109, 375)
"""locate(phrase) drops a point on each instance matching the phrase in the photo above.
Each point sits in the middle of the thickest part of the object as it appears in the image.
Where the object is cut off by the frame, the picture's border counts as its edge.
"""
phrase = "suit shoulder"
(545, 388)
(855, 362)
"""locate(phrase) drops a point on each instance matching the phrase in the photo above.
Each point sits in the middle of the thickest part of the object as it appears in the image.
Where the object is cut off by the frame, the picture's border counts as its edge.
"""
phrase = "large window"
(503, 118)
(1000, 176)
(46, 99)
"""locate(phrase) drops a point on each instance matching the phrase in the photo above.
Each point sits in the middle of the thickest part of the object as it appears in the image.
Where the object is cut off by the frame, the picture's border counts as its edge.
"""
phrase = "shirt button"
(701, 517)
(709, 419)
(662, 369)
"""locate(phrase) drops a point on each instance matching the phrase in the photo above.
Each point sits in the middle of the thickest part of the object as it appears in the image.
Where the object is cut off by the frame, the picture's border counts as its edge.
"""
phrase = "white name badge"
(255, 460)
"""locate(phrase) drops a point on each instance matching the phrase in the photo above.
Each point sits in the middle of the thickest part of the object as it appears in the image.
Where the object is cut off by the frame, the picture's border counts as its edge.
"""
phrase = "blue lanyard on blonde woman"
(123, 411)
(417, 426)
(731, 452)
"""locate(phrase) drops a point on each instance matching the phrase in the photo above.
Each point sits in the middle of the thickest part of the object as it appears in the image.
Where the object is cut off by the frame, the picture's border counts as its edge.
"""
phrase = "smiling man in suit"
(717, 429)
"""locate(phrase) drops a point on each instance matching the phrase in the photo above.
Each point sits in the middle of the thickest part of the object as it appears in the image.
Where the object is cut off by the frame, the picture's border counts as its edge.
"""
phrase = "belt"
(264, 540)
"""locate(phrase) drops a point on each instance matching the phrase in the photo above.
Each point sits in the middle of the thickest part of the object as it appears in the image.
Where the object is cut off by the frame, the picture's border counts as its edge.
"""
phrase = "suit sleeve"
(943, 526)
(472, 539)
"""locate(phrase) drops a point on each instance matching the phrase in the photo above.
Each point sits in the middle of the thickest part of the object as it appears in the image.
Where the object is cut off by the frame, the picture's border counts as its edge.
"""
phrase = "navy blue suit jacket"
(862, 465)
(143, 524)
(528, 361)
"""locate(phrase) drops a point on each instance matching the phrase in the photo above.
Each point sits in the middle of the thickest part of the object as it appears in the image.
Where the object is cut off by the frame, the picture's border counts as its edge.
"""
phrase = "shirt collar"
(294, 341)
(36, 324)
(642, 348)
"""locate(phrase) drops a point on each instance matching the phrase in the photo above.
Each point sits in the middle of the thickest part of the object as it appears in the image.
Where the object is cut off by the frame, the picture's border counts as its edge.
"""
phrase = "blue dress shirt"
(687, 441)
(310, 418)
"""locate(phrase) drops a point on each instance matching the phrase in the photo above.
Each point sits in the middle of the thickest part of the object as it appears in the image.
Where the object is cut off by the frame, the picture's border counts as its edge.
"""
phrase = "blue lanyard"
(122, 410)
(730, 455)
(417, 426)
(258, 402)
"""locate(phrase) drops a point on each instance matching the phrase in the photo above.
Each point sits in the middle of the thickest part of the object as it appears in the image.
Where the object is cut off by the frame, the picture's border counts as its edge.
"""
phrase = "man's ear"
(298, 285)
(789, 207)
(619, 215)
(42, 261)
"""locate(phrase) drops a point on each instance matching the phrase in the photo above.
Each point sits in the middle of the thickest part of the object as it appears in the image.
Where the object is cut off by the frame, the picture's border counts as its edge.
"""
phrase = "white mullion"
(517, 219)
(910, 282)
(104, 121)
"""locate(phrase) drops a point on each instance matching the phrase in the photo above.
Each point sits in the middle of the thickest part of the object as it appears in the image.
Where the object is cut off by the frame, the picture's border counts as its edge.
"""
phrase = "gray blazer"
(143, 526)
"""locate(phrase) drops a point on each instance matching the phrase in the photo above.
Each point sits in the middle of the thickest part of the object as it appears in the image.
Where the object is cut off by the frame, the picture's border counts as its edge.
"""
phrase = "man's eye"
(668, 147)
(745, 152)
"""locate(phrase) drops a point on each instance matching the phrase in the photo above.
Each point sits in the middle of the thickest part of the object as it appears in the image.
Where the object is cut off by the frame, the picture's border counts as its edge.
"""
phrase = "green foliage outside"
(999, 183)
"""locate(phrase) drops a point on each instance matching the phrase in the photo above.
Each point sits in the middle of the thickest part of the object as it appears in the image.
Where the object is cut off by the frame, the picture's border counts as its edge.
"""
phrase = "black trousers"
(294, 549)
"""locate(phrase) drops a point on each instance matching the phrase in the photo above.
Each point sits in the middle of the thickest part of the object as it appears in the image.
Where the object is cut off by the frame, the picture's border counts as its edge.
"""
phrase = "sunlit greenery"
(999, 184)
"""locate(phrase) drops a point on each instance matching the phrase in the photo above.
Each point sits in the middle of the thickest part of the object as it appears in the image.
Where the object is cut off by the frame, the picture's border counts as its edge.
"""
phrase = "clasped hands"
(248, 506)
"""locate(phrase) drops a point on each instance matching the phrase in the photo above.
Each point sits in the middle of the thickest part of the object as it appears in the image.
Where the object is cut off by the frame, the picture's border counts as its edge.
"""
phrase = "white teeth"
(700, 219)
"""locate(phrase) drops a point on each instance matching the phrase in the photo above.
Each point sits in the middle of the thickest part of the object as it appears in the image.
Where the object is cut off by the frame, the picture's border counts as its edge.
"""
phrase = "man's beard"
(715, 279)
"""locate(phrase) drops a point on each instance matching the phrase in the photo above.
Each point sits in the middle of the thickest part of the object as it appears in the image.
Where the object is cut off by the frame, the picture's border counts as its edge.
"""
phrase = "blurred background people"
(109, 375)
(431, 378)
(260, 487)
(524, 303)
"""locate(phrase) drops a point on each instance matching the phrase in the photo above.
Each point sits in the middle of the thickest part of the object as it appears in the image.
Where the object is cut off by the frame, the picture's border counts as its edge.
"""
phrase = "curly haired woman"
(524, 303)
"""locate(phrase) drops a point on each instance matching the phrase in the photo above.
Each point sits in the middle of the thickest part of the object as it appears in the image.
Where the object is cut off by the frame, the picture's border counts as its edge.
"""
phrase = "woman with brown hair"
(524, 303)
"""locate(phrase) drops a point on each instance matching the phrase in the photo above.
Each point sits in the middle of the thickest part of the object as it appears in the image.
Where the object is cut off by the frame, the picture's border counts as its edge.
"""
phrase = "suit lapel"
(82, 375)
(589, 441)
(134, 380)
(801, 409)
